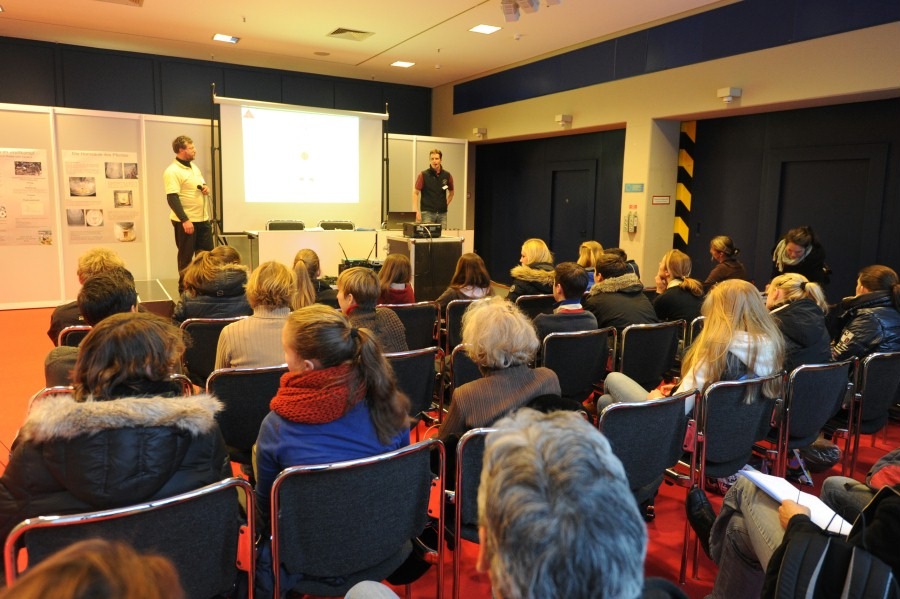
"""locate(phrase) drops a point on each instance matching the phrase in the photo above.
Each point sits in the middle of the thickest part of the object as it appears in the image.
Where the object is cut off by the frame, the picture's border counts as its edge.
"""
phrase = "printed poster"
(26, 214)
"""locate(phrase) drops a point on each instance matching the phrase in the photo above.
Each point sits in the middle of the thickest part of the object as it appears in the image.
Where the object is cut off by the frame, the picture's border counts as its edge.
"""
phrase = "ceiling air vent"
(135, 3)
(350, 34)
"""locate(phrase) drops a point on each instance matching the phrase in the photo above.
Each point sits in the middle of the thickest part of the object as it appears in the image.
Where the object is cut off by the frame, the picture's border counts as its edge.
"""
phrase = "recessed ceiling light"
(230, 39)
(322, 53)
(485, 29)
(402, 64)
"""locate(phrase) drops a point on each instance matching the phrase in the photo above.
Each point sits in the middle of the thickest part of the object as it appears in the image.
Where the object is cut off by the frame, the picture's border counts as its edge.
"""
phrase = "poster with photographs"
(26, 214)
(101, 196)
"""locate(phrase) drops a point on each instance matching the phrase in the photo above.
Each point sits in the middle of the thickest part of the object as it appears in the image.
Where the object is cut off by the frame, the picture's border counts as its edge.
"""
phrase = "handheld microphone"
(200, 187)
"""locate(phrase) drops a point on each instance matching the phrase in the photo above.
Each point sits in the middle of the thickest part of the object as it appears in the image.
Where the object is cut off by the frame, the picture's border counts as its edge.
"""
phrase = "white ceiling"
(286, 34)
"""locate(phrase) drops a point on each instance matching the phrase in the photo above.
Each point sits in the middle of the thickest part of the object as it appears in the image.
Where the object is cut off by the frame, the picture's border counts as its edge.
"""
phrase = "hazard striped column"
(683, 187)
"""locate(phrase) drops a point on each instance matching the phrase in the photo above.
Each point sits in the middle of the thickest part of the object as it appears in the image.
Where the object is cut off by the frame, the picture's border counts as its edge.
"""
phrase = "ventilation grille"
(135, 3)
(349, 34)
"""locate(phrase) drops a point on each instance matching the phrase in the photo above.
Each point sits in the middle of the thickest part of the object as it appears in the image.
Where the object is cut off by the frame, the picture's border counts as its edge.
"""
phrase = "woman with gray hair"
(501, 341)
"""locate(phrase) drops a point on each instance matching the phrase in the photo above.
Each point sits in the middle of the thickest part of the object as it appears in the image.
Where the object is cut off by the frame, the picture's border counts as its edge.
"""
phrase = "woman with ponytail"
(871, 318)
(680, 296)
(799, 309)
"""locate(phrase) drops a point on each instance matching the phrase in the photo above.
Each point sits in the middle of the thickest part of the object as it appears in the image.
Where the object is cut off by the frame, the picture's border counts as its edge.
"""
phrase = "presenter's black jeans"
(201, 239)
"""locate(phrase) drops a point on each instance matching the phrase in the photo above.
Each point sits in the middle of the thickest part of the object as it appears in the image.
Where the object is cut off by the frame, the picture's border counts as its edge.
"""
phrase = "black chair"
(422, 322)
(453, 323)
(693, 330)
(417, 376)
(464, 497)
(648, 351)
(459, 371)
(200, 531)
(200, 355)
(647, 437)
(813, 395)
(879, 378)
(338, 524)
(730, 417)
(73, 335)
(285, 225)
(337, 225)
(245, 393)
(532, 305)
(579, 360)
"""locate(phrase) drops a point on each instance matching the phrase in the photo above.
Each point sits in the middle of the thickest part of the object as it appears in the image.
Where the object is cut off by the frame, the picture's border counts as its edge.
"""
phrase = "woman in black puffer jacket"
(214, 285)
(799, 308)
(871, 318)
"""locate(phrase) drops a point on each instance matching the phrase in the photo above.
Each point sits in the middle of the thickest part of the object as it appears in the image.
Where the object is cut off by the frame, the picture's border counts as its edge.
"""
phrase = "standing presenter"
(186, 193)
(433, 192)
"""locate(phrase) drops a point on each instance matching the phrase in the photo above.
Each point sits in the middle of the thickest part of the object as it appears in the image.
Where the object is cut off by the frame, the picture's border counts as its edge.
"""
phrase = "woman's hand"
(664, 390)
(788, 509)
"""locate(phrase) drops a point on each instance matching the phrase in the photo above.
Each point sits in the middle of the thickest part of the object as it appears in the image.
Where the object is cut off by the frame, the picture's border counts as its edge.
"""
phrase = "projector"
(422, 230)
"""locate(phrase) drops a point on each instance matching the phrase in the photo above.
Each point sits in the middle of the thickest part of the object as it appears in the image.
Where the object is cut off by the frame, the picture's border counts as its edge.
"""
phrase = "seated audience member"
(617, 299)
(630, 265)
(304, 291)
(93, 262)
(339, 401)
(847, 496)
(680, 296)
(568, 313)
(470, 281)
(871, 318)
(100, 296)
(124, 435)
(799, 251)
(748, 537)
(324, 293)
(534, 275)
(99, 569)
(588, 252)
(357, 293)
(501, 341)
(256, 341)
(213, 286)
(394, 278)
(722, 250)
(799, 308)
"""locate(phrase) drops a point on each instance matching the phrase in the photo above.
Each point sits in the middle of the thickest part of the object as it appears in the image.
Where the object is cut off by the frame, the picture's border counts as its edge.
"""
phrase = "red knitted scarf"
(318, 396)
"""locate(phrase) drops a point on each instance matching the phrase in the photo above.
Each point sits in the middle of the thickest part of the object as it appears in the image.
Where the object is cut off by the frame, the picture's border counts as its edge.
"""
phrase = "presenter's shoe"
(700, 515)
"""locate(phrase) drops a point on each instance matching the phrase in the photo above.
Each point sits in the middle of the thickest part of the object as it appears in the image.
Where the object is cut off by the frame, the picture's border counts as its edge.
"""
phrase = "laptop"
(395, 220)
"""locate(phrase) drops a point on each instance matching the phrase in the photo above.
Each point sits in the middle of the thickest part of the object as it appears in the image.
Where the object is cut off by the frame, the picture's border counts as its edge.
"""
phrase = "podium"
(433, 262)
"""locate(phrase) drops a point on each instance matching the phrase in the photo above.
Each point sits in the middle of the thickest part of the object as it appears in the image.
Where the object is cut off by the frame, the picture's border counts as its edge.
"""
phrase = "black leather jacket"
(871, 324)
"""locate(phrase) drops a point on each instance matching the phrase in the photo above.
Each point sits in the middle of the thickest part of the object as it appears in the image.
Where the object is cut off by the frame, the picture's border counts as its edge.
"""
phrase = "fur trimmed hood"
(539, 272)
(627, 283)
(60, 417)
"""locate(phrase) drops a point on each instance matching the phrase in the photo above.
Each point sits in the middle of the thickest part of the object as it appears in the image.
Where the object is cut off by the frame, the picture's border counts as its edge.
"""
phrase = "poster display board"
(26, 214)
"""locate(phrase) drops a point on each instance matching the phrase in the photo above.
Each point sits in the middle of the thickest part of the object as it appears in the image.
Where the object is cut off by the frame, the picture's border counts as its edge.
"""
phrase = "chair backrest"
(814, 394)
(629, 426)
(694, 330)
(285, 225)
(453, 323)
(728, 424)
(579, 359)
(469, 458)
(417, 376)
(878, 382)
(532, 305)
(245, 393)
(337, 524)
(421, 320)
(649, 350)
(198, 530)
(462, 369)
(200, 355)
(71, 336)
(337, 225)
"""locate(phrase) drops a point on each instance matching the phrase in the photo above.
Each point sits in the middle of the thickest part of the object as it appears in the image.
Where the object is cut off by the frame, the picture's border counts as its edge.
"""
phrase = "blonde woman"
(588, 252)
(213, 286)
(324, 293)
(534, 275)
(305, 293)
(256, 341)
(357, 295)
(680, 296)
(799, 309)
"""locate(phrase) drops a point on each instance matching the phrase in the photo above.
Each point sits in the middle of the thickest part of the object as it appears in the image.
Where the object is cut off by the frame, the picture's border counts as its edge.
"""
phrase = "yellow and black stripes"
(683, 187)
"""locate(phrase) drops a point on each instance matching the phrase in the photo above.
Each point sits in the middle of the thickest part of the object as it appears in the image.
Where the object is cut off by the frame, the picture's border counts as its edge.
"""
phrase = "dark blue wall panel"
(186, 88)
(674, 45)
(352, 94)
(631, 55)
(307, 90)
(251, 83)
(408, 106)
(26, 73)
(100, 81)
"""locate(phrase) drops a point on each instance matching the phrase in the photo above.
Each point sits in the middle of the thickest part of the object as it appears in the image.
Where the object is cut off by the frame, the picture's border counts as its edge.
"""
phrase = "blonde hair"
(396, 269)
(311, 259)
(498, 334)
(225, 254)
(794, 286)
(678, 265)
(96, 261)
(731, 306)
(535, 250)
(271, 284)
(588, 252)
(362, 283)
(724, 244)
(320, 333)
(304, 293)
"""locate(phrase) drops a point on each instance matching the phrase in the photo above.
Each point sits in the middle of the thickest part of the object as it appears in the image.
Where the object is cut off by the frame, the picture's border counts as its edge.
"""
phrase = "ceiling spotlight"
(228, 39)
(402, 64)
(728, 94)
(528, 5)
(510, 10)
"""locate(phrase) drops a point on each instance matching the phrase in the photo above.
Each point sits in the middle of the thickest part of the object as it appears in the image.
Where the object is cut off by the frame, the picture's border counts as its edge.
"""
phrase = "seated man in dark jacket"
(568, 313)
(617, 298)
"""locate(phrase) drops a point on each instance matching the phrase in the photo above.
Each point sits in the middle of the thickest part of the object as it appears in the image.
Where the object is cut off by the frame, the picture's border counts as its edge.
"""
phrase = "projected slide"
(300, 157)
